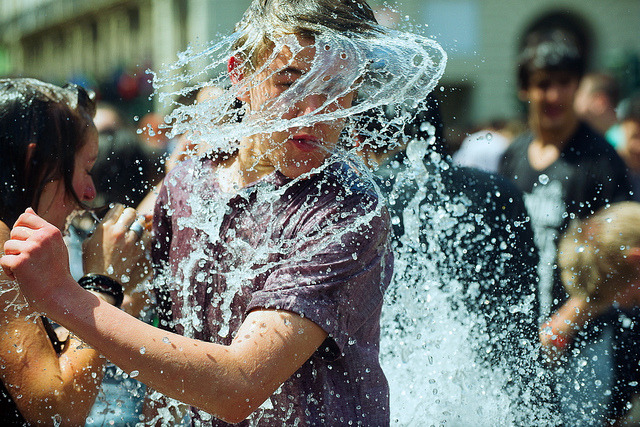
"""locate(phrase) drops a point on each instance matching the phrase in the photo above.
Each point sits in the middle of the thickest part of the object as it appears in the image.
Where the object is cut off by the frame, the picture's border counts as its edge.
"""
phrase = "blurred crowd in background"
(137, 148)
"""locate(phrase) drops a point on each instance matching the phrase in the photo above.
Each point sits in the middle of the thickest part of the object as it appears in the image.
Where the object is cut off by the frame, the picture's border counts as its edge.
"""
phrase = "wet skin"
(295, 151)
(56, 203)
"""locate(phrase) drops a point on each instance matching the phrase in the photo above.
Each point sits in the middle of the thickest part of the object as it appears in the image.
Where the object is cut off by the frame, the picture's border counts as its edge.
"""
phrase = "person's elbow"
(234, 409)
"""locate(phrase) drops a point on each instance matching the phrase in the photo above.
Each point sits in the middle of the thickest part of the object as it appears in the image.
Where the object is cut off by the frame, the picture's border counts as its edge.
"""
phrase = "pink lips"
(306, 143)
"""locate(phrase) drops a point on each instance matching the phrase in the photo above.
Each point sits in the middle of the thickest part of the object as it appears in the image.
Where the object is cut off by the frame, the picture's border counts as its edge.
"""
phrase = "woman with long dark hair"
(48, 144)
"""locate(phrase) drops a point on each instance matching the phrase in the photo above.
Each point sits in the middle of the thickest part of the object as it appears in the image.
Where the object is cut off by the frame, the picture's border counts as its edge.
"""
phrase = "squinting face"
(55, 203)
(297, 150)
(551, 99)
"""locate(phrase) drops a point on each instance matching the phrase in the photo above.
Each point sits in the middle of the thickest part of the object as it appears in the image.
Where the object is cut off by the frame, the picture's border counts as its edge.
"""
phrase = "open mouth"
(305, 143)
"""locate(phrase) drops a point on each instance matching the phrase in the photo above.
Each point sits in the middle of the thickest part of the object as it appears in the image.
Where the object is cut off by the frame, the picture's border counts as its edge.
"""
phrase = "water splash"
(390, 68)
(16, 302)
(431, 340)
(434, 343)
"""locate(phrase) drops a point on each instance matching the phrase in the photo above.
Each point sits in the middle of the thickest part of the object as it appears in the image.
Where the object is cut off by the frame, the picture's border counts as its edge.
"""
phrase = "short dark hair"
(266, 18)
(549, 50)
(56, 119)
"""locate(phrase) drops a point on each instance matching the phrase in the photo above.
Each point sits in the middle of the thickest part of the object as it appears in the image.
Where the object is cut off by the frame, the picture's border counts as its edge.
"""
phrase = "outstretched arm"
(227, 381)
(564, 324)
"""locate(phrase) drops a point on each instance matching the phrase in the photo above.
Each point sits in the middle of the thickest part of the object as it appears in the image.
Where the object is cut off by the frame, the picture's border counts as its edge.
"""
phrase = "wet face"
(56, 203)
(297, 150)
(551, 98)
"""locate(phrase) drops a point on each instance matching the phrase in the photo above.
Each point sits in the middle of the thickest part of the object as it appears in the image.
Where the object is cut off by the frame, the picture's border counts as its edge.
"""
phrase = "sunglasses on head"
(85, 99)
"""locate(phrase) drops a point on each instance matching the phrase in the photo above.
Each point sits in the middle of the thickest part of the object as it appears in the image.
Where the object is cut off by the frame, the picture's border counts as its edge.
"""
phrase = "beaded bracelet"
(103, 284)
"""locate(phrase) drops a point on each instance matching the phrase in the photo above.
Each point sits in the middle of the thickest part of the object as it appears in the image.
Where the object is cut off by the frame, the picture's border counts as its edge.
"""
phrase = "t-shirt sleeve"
(506, 164)
(336, 274)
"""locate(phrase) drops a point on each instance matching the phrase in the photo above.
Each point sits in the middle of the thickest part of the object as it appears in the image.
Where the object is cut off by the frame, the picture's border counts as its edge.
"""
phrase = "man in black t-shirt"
(565, 169)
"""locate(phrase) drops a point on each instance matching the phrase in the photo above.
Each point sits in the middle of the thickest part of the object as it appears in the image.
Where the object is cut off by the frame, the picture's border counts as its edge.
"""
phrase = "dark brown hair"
(552, 50)
(55, 119)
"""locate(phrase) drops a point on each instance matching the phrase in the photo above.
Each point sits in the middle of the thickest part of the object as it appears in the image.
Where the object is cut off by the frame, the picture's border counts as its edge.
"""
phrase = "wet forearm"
(201, 374)
(567, 321)
(43, 383)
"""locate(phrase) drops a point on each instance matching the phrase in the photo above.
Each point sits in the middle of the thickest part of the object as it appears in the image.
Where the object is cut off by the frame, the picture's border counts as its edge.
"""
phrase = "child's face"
(297, 150)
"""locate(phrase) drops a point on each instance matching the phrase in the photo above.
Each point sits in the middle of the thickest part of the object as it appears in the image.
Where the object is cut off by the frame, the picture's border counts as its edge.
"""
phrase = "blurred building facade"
(107, 40)
(106, 44)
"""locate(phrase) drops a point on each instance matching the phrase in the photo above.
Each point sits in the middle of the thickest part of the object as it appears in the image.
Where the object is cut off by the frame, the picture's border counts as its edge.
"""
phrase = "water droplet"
(143, 350)
(543, 179)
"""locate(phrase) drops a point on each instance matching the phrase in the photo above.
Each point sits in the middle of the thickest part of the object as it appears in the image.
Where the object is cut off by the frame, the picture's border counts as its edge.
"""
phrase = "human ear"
(236, 74)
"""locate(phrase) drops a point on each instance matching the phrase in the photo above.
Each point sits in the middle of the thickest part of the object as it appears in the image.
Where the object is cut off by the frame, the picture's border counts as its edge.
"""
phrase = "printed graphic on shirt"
(547, 210)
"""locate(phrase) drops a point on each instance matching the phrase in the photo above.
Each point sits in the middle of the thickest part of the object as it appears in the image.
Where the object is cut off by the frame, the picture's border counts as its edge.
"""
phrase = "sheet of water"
(429, 344)
(430, 341)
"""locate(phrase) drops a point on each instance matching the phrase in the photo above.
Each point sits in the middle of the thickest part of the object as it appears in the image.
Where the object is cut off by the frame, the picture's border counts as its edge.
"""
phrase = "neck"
(555, 137)
(251, 163)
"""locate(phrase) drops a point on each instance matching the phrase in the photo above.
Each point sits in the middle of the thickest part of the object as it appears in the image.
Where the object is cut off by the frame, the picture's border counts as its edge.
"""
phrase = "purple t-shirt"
(318, 247)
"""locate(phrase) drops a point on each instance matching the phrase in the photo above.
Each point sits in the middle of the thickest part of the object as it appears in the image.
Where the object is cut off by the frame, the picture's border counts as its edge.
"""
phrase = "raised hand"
(116, 249)
(36, 256)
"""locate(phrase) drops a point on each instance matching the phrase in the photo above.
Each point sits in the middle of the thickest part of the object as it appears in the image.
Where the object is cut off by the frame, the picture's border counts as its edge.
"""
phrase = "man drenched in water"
(272, 258)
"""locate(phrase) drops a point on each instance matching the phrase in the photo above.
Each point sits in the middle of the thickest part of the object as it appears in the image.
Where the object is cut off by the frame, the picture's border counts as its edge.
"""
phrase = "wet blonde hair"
(267, 19)
(593, 254)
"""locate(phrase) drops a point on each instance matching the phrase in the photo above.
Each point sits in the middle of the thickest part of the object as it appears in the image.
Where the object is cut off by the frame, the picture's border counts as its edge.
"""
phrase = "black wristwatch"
(104, 285)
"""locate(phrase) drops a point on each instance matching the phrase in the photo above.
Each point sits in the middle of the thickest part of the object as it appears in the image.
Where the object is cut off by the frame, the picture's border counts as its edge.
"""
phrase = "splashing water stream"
(431, 341)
